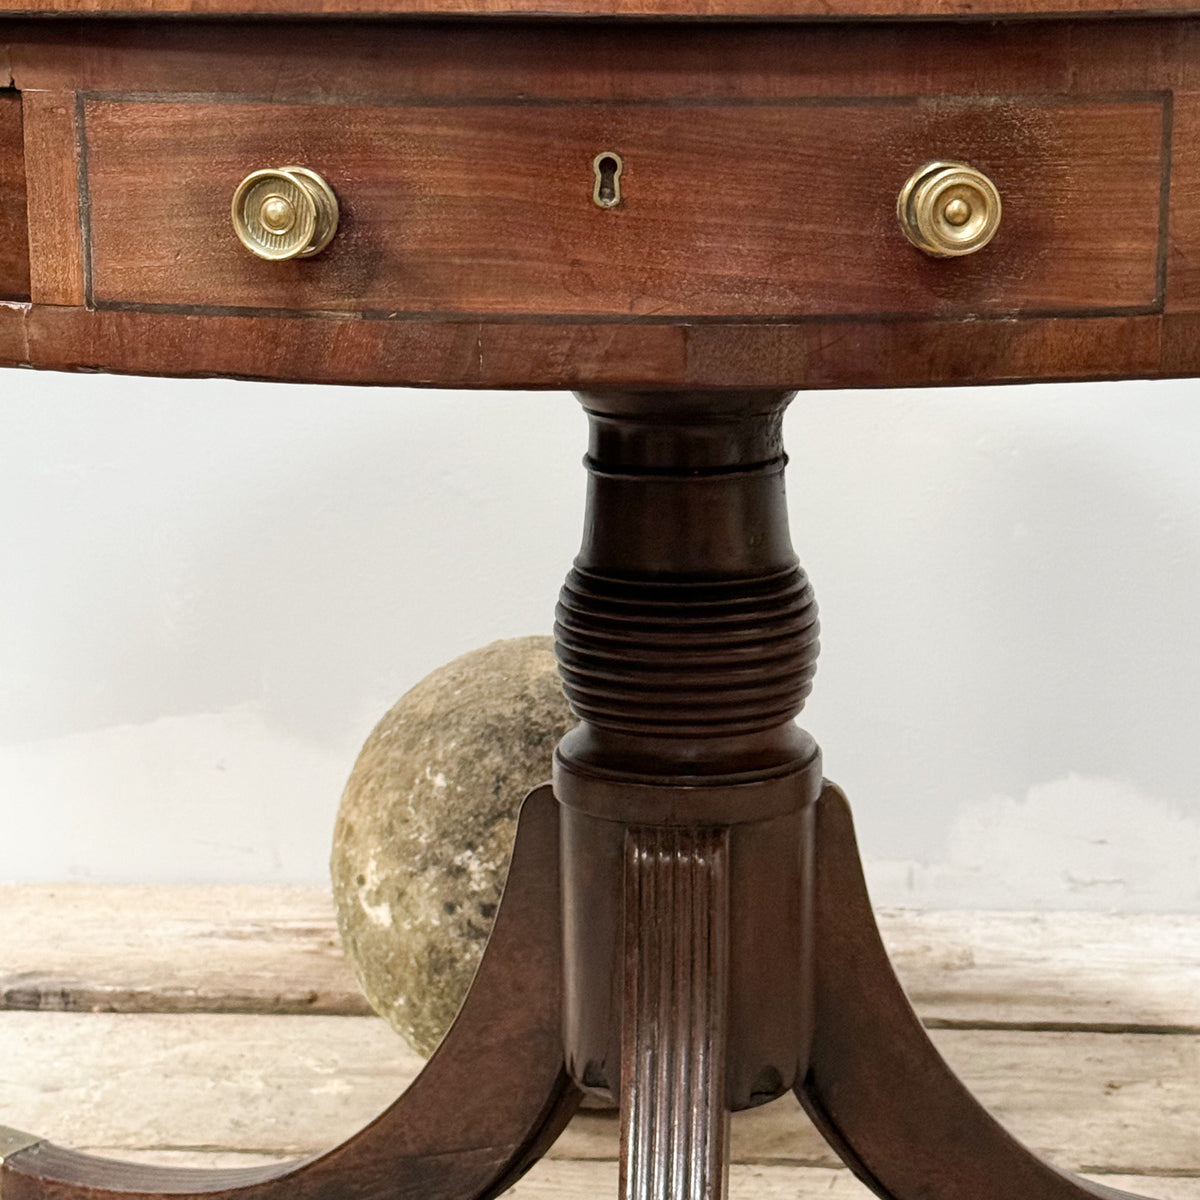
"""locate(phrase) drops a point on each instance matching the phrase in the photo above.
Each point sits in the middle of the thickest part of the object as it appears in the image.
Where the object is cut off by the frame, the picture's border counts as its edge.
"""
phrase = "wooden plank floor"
(162, 1024)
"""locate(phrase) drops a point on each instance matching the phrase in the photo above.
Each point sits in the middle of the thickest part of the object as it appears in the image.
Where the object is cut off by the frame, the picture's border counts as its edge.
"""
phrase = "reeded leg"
(674, 1120)
(489, 1102)
(876, 1086)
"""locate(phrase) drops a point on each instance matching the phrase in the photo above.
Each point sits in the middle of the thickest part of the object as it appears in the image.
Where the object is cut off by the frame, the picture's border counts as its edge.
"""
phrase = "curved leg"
(490, 1101)
(876, 1087)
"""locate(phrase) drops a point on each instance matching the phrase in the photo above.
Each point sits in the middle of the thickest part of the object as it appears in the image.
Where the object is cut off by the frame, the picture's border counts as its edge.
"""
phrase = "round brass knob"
(289, 212)
(949, 208)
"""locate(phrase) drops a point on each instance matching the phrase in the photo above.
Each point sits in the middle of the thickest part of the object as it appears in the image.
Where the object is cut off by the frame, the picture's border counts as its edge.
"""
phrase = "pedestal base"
(495, 1096)
(692, 932)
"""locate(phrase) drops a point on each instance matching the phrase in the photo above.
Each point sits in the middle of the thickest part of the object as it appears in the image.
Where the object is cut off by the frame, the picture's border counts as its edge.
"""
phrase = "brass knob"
(948, 209)
(286, 213)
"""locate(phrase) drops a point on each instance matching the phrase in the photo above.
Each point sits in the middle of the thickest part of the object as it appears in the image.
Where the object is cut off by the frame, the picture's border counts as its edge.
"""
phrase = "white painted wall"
(210, 591)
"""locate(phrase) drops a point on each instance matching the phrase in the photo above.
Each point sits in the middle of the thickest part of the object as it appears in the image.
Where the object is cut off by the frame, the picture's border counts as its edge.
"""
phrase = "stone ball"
(426, 826)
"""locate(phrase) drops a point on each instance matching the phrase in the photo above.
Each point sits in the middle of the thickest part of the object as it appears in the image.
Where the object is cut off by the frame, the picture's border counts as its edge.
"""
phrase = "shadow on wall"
(1024, 672)
(1076, 843)
(210, 597)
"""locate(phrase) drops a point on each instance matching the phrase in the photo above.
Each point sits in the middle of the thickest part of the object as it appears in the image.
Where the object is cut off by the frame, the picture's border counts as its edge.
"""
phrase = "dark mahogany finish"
(685, 927)
(756, 243)
(687, 636)
(507, 186)
(674, 1119)
(876, 1087)
(14, 234)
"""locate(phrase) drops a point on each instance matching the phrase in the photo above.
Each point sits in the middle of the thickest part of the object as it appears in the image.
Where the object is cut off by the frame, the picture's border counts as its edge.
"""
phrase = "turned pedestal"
(685, 928)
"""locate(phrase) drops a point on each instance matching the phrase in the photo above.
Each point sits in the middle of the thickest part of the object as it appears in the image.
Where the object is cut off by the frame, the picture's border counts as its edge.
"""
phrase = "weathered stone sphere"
(426, 825)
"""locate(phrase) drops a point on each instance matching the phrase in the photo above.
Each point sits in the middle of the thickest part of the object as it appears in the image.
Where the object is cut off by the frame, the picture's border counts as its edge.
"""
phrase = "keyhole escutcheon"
(607, 167)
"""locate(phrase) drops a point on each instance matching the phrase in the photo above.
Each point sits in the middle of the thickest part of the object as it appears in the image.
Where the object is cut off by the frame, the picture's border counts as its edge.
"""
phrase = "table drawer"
(748, 210)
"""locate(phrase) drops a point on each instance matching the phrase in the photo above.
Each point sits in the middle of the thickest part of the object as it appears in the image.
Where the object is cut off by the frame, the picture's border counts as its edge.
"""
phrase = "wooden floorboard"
(558, 1180)
(1080, 1031)
(567, 1179)
(1127, 1103)
(82, 948)
(276, 950)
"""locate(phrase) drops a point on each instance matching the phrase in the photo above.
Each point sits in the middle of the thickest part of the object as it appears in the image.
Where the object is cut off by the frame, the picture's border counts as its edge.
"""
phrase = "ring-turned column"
(687, 642)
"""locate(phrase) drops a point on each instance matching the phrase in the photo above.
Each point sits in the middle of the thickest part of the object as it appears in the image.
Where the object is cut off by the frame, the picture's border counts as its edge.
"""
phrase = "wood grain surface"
(500, 354)
(55, 224)
(1183, 263)
(1113, 1088)
(275, 950)
(111, 1084)
(706, 10)
(181, 949)
(420, 62)
(481, 292)
(14, 239)
(744, 211)
(558, 1179)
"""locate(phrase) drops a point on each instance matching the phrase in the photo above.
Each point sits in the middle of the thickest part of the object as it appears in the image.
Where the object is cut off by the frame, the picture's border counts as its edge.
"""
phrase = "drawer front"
(727, 211)
(14, 234)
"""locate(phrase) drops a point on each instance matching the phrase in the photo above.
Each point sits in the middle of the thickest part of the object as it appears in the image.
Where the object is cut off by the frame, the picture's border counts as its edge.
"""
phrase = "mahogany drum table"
(682, 210)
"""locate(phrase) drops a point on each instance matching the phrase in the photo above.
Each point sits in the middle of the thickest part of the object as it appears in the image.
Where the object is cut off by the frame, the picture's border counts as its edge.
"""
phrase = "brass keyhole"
(607, 167)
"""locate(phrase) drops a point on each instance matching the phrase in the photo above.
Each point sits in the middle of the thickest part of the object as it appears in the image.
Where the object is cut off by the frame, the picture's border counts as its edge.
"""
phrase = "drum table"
(682, 210)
